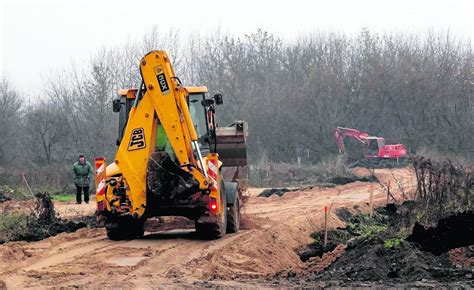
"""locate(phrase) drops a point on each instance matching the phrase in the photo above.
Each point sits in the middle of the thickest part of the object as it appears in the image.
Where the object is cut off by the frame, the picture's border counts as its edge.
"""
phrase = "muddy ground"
(36, 219)
(381, 249)
(273, 229)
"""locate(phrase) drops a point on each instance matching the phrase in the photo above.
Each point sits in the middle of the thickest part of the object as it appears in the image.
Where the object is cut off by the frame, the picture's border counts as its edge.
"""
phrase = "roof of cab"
(130, 93)
(195, 90)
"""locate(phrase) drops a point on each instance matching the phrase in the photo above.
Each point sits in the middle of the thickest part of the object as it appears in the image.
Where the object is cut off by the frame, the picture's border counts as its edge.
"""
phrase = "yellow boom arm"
(163, 100)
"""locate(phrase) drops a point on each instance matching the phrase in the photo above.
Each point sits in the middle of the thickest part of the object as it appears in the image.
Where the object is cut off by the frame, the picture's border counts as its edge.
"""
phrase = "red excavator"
(376, 152)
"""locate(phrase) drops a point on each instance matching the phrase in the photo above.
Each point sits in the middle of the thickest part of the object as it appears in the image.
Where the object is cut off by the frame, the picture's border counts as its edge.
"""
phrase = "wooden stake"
(371, 203)
(388, 192)
(27, 185)
(325, 226)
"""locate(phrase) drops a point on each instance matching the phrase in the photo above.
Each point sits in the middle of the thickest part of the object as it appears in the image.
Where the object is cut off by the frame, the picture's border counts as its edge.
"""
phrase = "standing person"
(82, 171)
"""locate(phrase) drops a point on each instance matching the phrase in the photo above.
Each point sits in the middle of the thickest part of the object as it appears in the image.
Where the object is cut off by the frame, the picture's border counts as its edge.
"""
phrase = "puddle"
(126, 261)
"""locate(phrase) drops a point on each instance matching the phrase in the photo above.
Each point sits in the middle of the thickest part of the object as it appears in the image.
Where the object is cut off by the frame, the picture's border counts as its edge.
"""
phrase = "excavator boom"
(375, 148)
(161, 97)
(340, 132)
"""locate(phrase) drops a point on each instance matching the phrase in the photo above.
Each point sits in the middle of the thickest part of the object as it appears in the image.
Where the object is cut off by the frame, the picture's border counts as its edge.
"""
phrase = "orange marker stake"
(325, 226)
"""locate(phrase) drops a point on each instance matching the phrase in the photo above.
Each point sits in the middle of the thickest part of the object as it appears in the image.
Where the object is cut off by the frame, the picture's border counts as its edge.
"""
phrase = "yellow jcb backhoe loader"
(169, 158)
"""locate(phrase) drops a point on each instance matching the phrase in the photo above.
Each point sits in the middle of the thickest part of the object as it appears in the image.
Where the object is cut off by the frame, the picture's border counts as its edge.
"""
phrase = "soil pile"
(42, 222)
(331, 183)
(316, 249)
(370, 260)
(47, 224)
(341, 180)
(275, 191)
(376, 250)
(359, 226)
(452, 232)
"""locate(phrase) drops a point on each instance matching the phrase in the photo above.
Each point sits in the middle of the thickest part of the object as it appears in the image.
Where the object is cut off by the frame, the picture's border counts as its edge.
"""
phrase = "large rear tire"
(124, 228)
(214, 230)
(233, 217)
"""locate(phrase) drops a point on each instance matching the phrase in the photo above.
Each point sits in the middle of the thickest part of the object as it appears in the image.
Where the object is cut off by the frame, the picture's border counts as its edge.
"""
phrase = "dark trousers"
(80, 189)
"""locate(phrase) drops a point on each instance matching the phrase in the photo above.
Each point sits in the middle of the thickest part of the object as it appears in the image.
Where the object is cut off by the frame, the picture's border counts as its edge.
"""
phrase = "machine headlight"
(113, 182)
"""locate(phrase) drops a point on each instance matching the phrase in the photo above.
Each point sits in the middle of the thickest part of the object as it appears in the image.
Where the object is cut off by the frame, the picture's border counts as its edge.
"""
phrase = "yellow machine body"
(160, 108)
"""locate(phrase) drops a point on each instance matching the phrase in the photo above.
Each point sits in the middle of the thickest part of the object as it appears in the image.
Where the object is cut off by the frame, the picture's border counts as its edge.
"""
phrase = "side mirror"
(218, 99)
(207, 102)
(116, 105)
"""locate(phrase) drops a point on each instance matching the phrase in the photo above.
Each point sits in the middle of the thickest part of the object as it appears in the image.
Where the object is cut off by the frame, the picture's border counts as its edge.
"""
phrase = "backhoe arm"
(341, 132)
(163, 101)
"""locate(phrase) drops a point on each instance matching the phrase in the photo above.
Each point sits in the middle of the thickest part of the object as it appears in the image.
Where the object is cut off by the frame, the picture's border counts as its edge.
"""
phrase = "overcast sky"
(41, 36)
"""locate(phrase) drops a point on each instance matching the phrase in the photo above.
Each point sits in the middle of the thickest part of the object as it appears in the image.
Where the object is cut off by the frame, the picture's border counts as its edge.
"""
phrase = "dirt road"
(273, 228)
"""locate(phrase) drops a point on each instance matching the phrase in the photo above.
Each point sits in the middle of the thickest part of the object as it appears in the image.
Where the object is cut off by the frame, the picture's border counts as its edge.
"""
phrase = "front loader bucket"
(232, 144)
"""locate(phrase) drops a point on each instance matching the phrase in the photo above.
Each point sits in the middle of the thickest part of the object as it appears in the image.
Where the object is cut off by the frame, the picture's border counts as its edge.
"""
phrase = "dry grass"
(266, 173)
(437, 156)
(13, 225)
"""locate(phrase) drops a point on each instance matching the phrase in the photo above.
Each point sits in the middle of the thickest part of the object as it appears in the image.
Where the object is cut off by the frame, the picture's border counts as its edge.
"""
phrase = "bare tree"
(10, 120)
(414, 89)
(46, 130)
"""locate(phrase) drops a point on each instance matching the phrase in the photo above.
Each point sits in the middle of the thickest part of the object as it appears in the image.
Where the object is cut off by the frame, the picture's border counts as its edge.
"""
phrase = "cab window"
(198, 114)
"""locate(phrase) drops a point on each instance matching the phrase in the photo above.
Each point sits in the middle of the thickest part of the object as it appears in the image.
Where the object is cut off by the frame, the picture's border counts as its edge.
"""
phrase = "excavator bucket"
(232, 144)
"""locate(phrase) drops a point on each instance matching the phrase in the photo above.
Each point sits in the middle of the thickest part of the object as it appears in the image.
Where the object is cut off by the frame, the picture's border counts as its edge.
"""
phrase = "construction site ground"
(273, 229)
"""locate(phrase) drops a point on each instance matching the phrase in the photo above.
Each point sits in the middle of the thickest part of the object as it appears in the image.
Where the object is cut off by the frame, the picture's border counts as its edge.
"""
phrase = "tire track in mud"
(274, 228)
(56, 256)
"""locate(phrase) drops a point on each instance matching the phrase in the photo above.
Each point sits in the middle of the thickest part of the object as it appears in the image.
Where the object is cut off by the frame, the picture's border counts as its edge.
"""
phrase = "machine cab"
(374, 146)
(229, 142)
(201, 116)
(201, 113)
(122, 105)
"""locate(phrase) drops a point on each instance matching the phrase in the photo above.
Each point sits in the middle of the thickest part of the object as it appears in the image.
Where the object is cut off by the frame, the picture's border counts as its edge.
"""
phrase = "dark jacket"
(82, 174)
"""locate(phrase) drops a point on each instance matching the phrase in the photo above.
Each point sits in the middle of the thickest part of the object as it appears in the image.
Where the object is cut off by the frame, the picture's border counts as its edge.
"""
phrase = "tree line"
(412, 89)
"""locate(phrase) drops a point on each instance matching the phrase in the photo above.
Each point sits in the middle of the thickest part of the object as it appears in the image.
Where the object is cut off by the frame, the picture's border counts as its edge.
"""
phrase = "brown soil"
(273, 228)
(463, 257)
(317, 264)
(382, 258)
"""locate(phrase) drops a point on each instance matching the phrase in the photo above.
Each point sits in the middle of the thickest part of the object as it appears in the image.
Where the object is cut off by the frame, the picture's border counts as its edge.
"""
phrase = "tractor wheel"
(124, 228)
(233, 217)
(214, 230)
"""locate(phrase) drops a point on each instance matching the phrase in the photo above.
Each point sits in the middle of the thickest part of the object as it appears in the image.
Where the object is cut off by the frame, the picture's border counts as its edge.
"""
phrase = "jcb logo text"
(137, 140)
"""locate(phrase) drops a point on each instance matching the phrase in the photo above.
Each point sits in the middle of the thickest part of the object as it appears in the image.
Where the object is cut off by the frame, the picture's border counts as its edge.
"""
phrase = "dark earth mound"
(316, 249)
(369, 260)
(452, 232)
(277, 191)
(44, 223)
(343, 214)
(331, 182)
(341, 180)
(47, 224)
(377, 252)
(358, 226)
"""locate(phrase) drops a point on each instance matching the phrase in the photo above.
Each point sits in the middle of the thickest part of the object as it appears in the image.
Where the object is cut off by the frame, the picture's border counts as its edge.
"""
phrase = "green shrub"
(13, 225)
(368, 231)
(392, 243)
